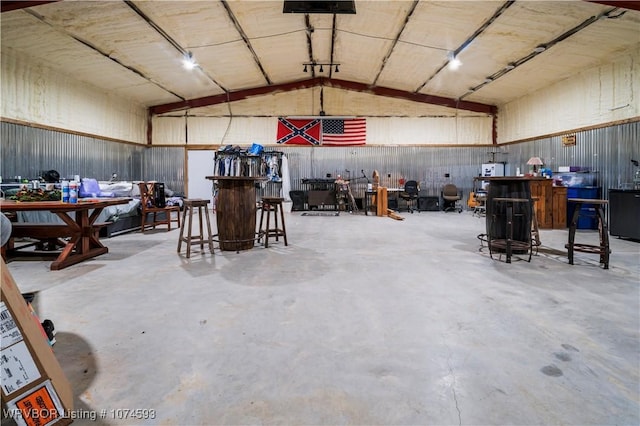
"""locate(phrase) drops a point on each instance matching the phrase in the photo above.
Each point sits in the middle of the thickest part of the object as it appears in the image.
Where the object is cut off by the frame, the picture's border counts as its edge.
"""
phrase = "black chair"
(410, 194)
(451, 197)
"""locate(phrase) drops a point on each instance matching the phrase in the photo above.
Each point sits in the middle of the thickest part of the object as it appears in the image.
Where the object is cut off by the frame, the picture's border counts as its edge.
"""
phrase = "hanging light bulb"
(321, 69)
(337, 70)
(305, 68)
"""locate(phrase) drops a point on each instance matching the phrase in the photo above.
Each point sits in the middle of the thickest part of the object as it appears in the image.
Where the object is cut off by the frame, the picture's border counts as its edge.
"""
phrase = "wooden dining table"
(79, 234)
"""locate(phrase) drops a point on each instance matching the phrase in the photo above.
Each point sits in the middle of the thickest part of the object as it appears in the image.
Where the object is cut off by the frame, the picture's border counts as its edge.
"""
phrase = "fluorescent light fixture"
(510, 66)
(541, 48)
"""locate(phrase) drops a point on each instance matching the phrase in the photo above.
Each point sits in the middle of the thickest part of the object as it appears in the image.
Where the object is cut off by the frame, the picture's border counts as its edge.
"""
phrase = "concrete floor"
(361, 320)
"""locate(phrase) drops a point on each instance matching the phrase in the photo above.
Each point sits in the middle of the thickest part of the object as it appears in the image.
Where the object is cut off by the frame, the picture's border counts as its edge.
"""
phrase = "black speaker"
(158, 195)
(298, 200)
(428, 204)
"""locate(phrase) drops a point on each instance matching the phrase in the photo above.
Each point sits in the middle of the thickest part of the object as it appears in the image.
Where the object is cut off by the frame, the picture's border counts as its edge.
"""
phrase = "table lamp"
(535, 162)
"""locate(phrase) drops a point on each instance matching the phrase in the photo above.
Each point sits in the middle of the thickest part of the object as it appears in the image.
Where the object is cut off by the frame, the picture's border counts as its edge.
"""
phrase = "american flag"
(343, 132)
(298, 131)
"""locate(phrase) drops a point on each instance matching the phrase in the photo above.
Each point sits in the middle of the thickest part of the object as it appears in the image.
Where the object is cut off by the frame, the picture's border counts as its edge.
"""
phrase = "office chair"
(451, 197)
(410, 194)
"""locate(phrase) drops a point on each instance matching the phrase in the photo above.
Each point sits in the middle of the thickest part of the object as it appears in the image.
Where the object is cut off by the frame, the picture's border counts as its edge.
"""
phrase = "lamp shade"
(535, 161)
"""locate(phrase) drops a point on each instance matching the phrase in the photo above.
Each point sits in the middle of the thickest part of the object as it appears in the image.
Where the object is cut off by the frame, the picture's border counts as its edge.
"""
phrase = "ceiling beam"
(631, 5)
(323, 81)
(246, 40)
(8, 6)
(395, 41)
(412, 96)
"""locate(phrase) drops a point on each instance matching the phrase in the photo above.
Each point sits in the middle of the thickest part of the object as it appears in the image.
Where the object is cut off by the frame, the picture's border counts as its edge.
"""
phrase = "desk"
(82, 232)
(236, 211)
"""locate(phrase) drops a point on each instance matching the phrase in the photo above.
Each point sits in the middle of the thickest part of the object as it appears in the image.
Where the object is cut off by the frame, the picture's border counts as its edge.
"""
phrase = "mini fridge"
(491, 169)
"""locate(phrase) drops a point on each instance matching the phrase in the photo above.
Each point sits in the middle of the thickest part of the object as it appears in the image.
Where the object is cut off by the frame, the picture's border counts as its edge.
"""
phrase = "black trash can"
(298, 201)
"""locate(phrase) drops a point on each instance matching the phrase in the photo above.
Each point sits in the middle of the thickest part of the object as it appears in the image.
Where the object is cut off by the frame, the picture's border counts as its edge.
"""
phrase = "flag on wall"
(299, 131)
(343, 132)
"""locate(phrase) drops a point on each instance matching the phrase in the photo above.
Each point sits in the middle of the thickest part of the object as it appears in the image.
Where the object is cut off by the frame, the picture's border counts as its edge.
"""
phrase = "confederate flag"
(299, 132)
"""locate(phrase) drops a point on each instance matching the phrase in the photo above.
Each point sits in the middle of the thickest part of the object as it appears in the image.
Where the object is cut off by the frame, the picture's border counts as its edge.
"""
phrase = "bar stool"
(509, 244)
(535, 231)
(189, 209)
(269, 205)
(582, 205)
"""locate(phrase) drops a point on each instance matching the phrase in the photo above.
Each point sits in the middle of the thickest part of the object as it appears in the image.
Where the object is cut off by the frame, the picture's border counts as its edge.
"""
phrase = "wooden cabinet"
(559, 209)
(542, 189)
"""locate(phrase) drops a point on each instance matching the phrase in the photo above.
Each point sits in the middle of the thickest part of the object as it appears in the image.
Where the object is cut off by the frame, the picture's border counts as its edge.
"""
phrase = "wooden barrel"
(496, 213)
(236, 213)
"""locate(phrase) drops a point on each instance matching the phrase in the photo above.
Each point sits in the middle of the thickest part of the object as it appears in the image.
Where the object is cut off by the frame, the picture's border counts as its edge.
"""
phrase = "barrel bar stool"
(603, 248)
(269, 205)
(190, 206)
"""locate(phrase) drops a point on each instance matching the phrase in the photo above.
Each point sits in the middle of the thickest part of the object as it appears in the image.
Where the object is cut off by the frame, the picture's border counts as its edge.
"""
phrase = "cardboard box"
(35, 390)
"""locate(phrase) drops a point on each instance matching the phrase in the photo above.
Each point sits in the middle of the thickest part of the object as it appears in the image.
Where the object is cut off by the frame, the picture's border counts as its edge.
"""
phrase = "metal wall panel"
(165, 164)
(27, 151)
(432, 167)
(607, 152)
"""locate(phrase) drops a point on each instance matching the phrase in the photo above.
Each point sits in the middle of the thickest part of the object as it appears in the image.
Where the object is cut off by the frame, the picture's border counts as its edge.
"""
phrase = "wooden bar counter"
(236, 211)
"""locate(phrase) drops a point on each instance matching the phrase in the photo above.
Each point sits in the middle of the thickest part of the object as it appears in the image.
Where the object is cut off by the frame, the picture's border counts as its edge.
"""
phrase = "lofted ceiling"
(398, 49)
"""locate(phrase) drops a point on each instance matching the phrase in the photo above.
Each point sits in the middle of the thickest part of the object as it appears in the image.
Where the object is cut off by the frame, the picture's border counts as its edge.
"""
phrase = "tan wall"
(600, 95)
(380, 130)
(33, 93)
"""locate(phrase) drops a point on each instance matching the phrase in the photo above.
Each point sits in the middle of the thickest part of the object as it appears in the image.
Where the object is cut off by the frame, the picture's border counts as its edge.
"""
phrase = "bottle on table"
(65, 191)
(73, 192)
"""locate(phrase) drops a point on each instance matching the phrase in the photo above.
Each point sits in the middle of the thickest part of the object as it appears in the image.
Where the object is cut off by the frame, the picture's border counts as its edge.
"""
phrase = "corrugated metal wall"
(427, 165)
(165, 164)
(607, 151)
(26, 151)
